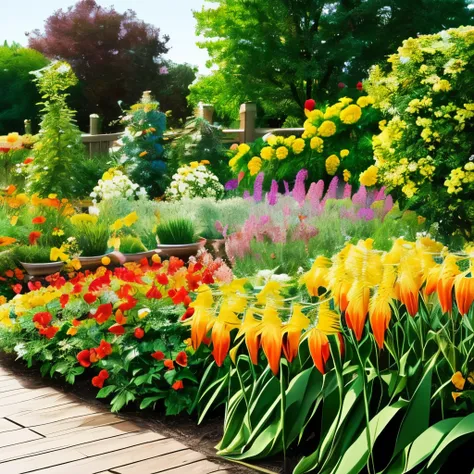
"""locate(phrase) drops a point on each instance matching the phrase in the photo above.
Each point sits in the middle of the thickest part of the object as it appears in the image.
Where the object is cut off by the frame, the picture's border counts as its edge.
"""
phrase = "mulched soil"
(183, 428)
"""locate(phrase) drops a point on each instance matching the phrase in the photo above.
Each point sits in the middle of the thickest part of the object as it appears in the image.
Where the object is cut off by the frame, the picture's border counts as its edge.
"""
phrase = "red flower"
(28, 160)
(188, 313)
(32, 286)
(77, 289)
(89, 298)
(103, 374)
(49, 332)
(98, 283)
(154, 293)
(341, 85)
(93, 356)
(63, 300)
(84, 358)
(130, 303)
(174, 265)
(103, 313)
(104, 349)
(207, 277)
(117, 329)
(17, 288)
(158, 355)
(19, 275)
(182, 359)
(76, 322)
(162, 279)
(194, 281)
(39, 220)
(360, 86)
(310, 104)
(178, 385)
(43, 318)
(180, 296)
(168, 363)
(9, 273)
(97, 381)
(139, 333)
(33, 237)
(120, 318)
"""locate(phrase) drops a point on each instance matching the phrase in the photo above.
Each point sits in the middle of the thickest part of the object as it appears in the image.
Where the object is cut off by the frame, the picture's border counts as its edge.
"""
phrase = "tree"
(282, 52)
(19, 96)
(114, 55)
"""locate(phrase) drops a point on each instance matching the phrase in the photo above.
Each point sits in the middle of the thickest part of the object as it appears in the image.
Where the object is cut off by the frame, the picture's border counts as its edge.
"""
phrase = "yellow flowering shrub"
(424, 150)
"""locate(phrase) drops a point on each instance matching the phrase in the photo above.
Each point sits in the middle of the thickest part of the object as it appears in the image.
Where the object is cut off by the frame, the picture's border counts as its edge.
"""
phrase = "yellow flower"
(233, 161)
(105, 261)
(327, 128)
(58, 254)
(409, 189)
(266, 153)
(254, 165)
(346, 174)
(205, 162)
(194, 164)
(289, 141)
(13, 220)
(13, 137)
(72, 331)
(143, 153)
(130, 219)
(369, 176)
(114, 242)
(333, 110)
(117, 225)
(317, 144)
(84, 218)
(442, 86)
(143, 312)
(332, 163)
(281, 152)
(344, 153)
(365, 100)
(243, 148)
(57, 231)
(351, 114)
(309, 128)
(156, 258)
(298, 146)
(345, 100)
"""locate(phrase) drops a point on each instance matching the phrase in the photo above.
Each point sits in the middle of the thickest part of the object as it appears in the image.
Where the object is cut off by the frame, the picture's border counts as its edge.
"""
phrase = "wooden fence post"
(28, 130)
(206, 111)
(248, 117)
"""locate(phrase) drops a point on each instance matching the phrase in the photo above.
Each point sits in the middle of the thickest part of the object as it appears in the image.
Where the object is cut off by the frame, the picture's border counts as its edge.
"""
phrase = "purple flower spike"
(246, 195)
(272, 196)
(287, 188)
(347, 191)
(299, 190)
(360, 197)
(331, 193)
(366, 214)
(231, 185)
(258, 187)
(388, 205)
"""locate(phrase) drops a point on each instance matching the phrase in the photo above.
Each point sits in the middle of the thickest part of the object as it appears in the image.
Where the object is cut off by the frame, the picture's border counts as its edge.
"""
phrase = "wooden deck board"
(44, 430)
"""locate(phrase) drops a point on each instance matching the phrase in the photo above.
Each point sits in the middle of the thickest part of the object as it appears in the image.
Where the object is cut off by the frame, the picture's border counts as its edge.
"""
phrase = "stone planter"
(42, 269)
(136, 257)
(183, 251)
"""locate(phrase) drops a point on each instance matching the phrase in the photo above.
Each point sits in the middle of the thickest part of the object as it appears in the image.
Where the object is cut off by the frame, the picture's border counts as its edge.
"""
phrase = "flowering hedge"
(336, 142)
(425, 150)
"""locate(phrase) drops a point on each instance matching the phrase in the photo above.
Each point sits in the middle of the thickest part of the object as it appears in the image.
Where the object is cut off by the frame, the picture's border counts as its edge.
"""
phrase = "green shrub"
(92, 239)
(176, 231)
(130, 244)
(32, 254)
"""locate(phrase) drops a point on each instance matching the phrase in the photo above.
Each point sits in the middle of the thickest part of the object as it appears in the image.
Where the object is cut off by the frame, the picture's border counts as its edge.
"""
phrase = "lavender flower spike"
(258, 187)
(299, 189)
(272, 196)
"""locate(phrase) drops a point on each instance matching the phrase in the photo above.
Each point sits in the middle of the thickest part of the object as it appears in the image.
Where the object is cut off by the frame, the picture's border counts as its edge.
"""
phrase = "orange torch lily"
(272, 338)
(292, 332)
(464, 292)
(202, 315)
(318, 344)
(221, 327)
(445, 284)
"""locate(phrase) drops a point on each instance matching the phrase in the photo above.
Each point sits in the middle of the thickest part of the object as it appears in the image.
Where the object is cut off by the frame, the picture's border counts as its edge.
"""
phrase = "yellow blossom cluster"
(460, 176)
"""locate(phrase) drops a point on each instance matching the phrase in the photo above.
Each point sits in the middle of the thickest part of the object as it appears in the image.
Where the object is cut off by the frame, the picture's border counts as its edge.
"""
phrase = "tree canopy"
(282, 52)
(19, 95)
(115, 55)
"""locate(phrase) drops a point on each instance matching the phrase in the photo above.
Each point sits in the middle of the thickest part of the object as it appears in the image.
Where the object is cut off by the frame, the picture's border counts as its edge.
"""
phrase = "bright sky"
(173, 17)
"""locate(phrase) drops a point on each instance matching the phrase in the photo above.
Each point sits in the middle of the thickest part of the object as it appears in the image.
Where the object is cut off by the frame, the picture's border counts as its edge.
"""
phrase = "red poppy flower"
(94, 357)
(89, 298)
(100, 282)
(63, 300)
(104, 374)
(168, 363)
(20, 275)
(180, 296)
(97, 381)
(43, 318)
(76, 322)
(77, 289)
(178, 385)
(120, 318)
(139, 333)
(154, 293)
(207, 277)
(194, 281)
(103, 313)
(104, 349)
(84, 358)
(158, 355)
(130, 303)
(360, 86)
(9, 273)
(49, 332)
(310, 104)
(39, 220)
(17, 288)
(33, 286)
(174, 265)
(33, 237)
(162, 279)
(182, 359)
(188, 313)
(28, 160)
(117, 329)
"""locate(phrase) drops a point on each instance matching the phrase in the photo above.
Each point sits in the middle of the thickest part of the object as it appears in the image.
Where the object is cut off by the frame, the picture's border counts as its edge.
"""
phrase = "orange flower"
(103, 313)
(4, 241)
(178, 385)
(10, 189)
(120, 318)
(182, 359)
(34, 236)
(357, 309)
(464, 292)
(271, 338)
(39, 220)
(318, 344)
(446, 282)
(168, 363)
(292, 333)
(84, 358)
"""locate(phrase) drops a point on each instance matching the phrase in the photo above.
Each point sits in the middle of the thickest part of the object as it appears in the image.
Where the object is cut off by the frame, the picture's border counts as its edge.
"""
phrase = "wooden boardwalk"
(43, 430)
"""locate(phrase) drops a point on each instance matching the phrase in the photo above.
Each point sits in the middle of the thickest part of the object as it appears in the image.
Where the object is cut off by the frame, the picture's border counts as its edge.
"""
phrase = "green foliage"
(426, 98)
(294, 50)
(88, 172)
(176, 231)
(92, 239)
(19, 95)
(142, 149)
(60, 146)
(129, 244)
(32, 254)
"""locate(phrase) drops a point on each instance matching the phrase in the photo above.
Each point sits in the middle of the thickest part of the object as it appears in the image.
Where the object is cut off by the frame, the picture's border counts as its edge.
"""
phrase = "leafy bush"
(129, 244)
(32, 254)
(425, 149)
(176, 231)
(92, 239)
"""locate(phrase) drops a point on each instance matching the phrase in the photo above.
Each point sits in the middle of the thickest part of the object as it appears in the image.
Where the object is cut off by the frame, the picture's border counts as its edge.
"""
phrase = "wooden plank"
(200, 467)
(51, 415)
(44, 445)
(7, 425)
(24, 395)
(79, 423)
(163, 463)
(58, 400)
(122, 450)
(9, 438)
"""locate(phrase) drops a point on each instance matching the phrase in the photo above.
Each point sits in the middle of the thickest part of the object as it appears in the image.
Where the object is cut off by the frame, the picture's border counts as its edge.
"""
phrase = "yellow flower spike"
(130, 219)
(117, 225)
(250, 329)
(105, 261)
(318, 344)
(5, 317)
(292, 332)
(329, 322)
(316, 277)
